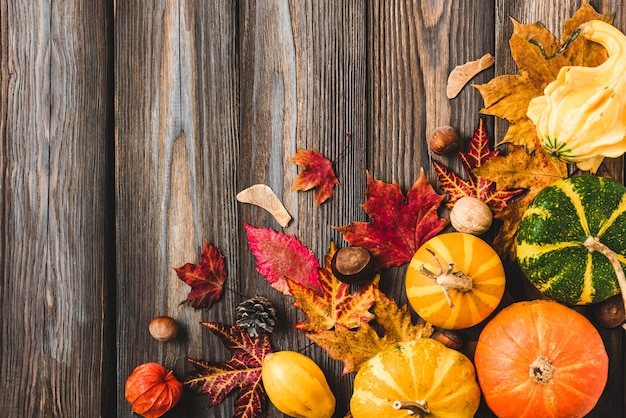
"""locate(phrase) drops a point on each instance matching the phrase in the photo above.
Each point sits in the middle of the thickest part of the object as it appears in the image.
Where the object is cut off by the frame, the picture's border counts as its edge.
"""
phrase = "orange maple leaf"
(519, 169)
(318, 172)
(539, 55)
(355, 347)
(336, 306)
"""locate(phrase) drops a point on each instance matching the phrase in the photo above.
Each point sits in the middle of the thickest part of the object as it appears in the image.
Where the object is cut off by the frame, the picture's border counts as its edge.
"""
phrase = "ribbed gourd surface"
(551, 234)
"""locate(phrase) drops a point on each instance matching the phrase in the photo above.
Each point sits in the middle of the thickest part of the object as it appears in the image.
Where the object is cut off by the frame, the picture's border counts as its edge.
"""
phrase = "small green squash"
(571, 240)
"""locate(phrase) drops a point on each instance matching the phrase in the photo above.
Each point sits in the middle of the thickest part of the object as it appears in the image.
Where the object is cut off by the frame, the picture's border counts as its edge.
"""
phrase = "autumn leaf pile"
(353, 325)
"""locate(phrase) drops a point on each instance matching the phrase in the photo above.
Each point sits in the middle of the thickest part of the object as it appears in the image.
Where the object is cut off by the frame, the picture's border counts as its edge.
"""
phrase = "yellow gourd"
(417, 378)
(581, 116)
(296, 385)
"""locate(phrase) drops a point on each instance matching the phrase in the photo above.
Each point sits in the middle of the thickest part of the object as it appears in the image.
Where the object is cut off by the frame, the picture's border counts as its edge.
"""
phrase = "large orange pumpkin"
(455, 280)
(152, 390)
(540, 359)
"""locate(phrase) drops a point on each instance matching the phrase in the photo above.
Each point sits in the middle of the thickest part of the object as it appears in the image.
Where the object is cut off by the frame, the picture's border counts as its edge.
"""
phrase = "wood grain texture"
(303, 86)
(99, 203)
(53, 126)
(177, 162)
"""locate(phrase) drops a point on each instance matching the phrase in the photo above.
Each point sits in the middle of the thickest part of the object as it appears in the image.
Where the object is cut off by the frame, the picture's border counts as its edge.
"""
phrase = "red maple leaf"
(475, 186)
(280, 257)
(335, 305)
(399, 226)
(206, 279)
(243, 371)
(318, 172)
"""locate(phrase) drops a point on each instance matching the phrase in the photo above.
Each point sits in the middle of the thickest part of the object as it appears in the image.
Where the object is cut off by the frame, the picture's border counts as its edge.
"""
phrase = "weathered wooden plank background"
(127, 128)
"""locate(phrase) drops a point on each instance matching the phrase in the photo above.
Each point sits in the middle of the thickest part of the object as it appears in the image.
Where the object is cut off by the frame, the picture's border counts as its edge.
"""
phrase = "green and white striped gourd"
(553, 241)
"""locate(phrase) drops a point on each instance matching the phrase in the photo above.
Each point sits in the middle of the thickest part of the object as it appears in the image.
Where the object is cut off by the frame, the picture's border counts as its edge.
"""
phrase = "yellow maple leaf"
(539, 56)
(354, 347)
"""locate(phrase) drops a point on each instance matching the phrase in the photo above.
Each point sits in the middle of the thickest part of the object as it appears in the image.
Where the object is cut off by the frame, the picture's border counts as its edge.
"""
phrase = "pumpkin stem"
(417, 408)
(541, 370)
(448, 279)
(594, 244)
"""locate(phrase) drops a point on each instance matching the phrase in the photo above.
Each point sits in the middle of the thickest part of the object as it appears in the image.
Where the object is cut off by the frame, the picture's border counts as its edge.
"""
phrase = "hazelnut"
(471, 215)
(352, 265)
(610, 313)
(443, 140)
(163, 328)
(450, 339)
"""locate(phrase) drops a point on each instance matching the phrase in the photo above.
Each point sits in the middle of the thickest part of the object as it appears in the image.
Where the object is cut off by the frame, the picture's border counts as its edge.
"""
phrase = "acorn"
(353, 265)
(443, 140)
(163, 328)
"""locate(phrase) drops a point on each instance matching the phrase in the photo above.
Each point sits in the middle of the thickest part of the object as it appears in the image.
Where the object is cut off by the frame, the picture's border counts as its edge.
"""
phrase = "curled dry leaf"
(462, 74)
(263, 196)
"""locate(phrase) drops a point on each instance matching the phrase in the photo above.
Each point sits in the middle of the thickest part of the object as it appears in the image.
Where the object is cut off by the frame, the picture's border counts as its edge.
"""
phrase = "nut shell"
(610, 313)
(163, 328)
(443, 140)
(353, 265)
(471, 215)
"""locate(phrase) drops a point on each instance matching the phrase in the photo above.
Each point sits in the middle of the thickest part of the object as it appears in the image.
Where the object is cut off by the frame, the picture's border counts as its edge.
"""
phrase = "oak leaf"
(318, 173)
(519, 169)
(399, 226)
(280, 257)
(242, 371)
(355, 347)
(479, 152)
(206, 279)
(335, 306)
(539, 56)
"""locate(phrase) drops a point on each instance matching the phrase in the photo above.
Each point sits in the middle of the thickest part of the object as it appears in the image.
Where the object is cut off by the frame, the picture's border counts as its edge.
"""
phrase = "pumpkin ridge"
(387, 377)
(569, 191)
(493, 263)
(527, 250)
(619, 210)
(588, 289)
(494, 350)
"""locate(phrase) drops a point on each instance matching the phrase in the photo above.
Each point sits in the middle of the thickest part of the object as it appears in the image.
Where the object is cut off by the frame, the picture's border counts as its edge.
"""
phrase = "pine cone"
(256, 315)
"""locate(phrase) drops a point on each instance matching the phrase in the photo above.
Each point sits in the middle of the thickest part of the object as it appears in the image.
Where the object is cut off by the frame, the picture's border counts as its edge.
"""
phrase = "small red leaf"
(399, 226)
(318, 172)
(280, 257)
(206, 279)
(243, 371)
(478, 154)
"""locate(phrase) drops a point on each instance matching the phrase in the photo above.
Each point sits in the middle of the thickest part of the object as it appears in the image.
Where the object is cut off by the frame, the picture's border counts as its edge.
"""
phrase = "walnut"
(471, 215)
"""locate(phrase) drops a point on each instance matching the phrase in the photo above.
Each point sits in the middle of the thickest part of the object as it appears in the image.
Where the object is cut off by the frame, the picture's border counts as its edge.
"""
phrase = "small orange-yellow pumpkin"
(296, 385)
(422, 372)
(455, 280)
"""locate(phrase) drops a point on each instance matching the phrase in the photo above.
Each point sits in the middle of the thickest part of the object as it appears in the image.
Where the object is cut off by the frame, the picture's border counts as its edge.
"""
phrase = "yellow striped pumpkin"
(422, 374)
(455, 280)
